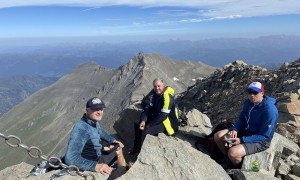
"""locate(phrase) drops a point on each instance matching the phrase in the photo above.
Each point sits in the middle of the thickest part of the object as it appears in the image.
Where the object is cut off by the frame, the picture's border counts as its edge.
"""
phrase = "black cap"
(95, 103)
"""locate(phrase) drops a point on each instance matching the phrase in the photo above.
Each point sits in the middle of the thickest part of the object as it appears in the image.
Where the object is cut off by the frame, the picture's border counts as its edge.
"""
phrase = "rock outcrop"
(221, 95)
(165, 157)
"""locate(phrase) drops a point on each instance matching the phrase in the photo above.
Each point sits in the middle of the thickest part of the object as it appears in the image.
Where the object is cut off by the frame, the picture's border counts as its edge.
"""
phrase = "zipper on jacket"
(249, 116)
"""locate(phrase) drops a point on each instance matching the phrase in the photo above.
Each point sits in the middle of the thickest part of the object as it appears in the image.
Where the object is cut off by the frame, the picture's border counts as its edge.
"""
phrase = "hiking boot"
(134, 150)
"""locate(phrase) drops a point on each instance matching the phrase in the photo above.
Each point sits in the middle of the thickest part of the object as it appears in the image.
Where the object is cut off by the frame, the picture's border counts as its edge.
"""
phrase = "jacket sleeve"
(168, 101)
(75, 147)
(147, 105)
(104, 135)
(240, 123)
(148, 111)
(267, 129)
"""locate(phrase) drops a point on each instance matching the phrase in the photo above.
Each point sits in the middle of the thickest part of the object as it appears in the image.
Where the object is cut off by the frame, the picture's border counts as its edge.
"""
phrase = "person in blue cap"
(253, 130)
(90, 147)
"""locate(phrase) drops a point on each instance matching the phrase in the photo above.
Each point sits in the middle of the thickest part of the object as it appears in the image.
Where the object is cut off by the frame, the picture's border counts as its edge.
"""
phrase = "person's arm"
(267, 127)
(146, 113)
(168, 102)
(147, 106)
(104, 135)
(239, 124)
(75, 146)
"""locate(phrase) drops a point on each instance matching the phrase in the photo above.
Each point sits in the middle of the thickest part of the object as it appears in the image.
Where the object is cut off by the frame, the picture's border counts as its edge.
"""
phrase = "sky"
(147, 20)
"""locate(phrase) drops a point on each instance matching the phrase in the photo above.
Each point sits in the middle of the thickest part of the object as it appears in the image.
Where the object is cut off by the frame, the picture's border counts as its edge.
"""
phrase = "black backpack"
(207, 143)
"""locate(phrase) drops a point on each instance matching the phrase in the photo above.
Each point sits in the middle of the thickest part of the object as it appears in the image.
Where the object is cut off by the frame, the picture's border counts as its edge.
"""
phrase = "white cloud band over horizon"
(148, 19)
(207, 8)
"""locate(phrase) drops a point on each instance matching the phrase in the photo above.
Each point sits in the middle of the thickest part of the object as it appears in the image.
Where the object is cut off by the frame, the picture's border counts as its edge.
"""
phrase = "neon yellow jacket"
(163, 110)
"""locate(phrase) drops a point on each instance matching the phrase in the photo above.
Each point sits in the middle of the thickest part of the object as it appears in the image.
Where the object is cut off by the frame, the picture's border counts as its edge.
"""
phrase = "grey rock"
(249, 175)
(165, 157)
(283, 168)
(22, 171)
(267, 159)
(296, 169)
(291, 177)
(198, 119)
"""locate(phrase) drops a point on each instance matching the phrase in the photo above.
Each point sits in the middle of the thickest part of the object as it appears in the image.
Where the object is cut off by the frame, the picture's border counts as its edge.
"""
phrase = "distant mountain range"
(59, 59)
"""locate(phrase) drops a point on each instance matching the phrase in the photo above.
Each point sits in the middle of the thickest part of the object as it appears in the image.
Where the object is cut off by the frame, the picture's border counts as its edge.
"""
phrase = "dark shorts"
(252, 148)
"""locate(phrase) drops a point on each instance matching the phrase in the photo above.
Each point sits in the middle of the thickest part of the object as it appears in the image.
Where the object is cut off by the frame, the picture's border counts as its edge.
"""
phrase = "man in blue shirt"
(87, 140)
(254, 129)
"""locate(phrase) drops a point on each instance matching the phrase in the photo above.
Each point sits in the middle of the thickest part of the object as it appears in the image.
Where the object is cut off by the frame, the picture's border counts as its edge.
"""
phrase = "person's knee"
(235, 153)
(232, 154)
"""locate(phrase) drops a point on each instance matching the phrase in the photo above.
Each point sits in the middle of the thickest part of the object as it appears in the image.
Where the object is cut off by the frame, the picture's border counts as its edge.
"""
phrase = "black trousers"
(140, 135)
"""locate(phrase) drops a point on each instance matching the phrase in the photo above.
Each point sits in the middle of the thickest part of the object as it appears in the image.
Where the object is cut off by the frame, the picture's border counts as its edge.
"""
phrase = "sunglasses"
(252, 92)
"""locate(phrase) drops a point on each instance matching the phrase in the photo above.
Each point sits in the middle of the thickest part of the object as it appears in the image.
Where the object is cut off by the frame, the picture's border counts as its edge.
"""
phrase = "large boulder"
(166, 157)
(267, 159)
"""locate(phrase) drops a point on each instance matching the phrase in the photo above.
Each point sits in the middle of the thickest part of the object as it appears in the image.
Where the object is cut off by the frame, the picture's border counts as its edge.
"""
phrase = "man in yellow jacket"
(160, 116)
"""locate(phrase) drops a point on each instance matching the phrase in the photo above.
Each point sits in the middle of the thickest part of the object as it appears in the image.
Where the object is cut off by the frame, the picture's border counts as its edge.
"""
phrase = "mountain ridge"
(46, 117)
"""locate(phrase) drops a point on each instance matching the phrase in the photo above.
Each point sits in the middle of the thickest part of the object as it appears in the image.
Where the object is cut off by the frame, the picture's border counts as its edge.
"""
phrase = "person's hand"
(233, 134)
(104, 169)
(142, 125)
(120, 144)
(235, 141)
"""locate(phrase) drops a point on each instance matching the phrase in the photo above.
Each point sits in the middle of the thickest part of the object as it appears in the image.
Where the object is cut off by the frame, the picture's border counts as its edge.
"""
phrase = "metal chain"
(35, 152)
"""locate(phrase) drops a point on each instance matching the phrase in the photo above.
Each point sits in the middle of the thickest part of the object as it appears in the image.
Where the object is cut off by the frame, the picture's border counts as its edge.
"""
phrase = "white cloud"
(207, 8)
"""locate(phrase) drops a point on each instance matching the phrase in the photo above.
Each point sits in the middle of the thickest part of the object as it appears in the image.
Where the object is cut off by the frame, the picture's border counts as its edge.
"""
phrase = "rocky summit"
(212, 98)
(46, 118)
(221, 95)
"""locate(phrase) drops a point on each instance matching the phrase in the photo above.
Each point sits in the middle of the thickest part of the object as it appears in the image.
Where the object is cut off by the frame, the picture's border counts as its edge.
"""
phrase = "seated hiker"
(159, 116)
(254, 129)
(90, 147)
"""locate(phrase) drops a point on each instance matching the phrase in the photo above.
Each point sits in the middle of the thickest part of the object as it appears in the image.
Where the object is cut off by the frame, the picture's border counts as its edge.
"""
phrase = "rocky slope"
(222, 94)
(45, 119)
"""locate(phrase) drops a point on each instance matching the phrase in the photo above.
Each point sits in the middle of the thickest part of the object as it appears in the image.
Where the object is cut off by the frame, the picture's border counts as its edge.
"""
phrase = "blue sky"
(148, 20)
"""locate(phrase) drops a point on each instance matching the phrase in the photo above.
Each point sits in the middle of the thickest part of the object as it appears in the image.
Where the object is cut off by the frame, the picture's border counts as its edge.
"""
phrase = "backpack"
(207, 143)
(182, 119)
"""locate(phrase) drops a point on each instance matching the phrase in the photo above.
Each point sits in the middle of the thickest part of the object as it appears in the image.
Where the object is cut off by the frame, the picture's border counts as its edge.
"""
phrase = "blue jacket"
(84, 147)
(257, 122)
